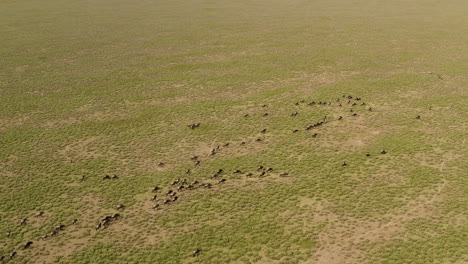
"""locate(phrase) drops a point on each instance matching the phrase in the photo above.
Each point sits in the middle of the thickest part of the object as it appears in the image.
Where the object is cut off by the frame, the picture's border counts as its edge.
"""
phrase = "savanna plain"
(233, 131)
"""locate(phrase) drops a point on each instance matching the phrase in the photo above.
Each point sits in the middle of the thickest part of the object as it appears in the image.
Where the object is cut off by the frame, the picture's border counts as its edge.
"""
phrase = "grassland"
(89, 88)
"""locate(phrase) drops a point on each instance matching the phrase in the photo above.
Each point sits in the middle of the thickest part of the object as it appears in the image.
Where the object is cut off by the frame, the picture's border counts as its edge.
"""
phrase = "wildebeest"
(39, 214)
(222, 180)
(107, 177)
(193, 126)
(194, 158)
(167, 201)
(344, 163)
(383, 151)
(24, 221)
(196, 252)
(237, 172)
(263, 131)
(295, 130)
(155, 189)
(154, 198)
(161, 164)
(294, 114)
(120, 207)
(368, 154)
(27, 245)
(258, 140)
(284, 174)
(115, 177)
(74, 221)
(13, 254)
(265, 114)
(156, 206)
(418, 117)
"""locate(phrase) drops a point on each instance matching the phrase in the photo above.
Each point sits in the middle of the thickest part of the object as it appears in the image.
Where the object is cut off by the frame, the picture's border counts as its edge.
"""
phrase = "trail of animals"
(164, 196)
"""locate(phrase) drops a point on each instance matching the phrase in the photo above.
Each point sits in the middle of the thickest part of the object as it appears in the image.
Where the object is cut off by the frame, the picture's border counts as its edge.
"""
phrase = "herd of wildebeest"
(166, 196)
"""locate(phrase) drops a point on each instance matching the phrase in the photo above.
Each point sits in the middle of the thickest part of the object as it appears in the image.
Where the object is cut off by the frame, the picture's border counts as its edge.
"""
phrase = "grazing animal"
(418, 117)
(54, 233)
(8, 234)
(260, 168)
(226, 145)
(314, 135)
(188, 171)
(120, 207)
(222, 180)
(249, 174)
(169, 192)
(13, 254)
(39, 214)
(339, 118)
(339, 104)
(27, 245)
(74, 221)
(294, 114)
(284, 174)
(269, 169)
(197, 163)
(180, 188)
(107, 177)
(370, 109)
(156, 206)
(175, 198)
(98, 226)
(344, 163)
(60, 227)
(155, 189)
(383, 151)
(194, 158)
(295, 130)
(2, 258)
(154, 198)
(175, 182)
(196, 252)
(264, 105)
(354, 114)
(161, 164)
(193, 126)
(190, 187)
(262, 174)
(263, 131)
(173, 194)
(246, 115)
(23, 221)
(242, 143)
(311, 103)
(115, 216)
(258, 140)
(265, 114)
(195, 182)
(368, 154)
(167, 201)
(115, 177)
(83, 178)
(45, 237)
(237, 172)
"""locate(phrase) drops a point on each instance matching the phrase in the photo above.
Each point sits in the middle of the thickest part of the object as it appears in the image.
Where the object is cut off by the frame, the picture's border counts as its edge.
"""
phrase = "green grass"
(112, 87)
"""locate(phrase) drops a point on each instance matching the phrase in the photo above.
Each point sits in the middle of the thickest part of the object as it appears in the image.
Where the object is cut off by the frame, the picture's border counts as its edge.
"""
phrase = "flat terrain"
(96, 88)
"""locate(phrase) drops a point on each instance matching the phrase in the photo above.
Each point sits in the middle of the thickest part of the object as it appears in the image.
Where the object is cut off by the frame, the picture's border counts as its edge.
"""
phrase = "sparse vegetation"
(135, 89)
